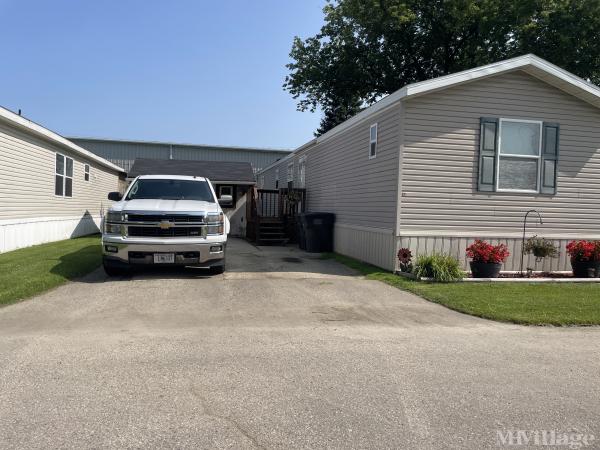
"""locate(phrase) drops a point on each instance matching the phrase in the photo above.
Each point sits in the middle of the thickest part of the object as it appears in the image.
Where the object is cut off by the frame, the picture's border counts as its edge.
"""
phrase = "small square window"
(373, 141)
(225, 190)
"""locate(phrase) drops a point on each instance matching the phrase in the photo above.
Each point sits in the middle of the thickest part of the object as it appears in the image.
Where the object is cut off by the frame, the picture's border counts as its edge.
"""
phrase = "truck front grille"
(175, 218)
(159, 232)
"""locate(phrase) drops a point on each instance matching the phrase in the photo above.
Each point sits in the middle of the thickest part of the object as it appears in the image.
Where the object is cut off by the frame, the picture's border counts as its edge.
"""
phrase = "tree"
(370, 48)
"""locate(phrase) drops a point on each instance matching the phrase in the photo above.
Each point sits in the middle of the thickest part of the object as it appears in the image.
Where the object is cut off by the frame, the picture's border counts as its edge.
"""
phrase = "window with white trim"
(86, 172)
(519, 155)
(373, 141)
(225, 190)
(290, 172)
(63, 176)
(302, 171)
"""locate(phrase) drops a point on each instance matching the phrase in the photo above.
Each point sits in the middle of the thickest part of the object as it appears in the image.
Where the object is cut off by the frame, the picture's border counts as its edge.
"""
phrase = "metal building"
(124, 152)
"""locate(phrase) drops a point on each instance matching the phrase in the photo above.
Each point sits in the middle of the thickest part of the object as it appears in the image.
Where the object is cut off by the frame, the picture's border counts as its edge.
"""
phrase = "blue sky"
(195, 71)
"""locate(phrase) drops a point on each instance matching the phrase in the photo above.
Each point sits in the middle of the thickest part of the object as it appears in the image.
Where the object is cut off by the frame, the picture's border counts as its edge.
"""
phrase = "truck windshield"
(170, 190)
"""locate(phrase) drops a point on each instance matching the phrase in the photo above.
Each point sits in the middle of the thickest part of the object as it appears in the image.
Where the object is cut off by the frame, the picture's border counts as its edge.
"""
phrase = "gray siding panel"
(270, 175)
(341, 178)
(124, 153)
(439, 163)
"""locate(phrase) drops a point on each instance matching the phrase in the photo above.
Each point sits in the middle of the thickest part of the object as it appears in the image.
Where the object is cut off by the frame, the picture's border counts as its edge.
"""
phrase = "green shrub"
(439, 267)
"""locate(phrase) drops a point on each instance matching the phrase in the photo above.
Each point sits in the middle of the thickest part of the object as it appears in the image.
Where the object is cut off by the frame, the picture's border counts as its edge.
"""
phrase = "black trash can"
(318, 231)
(301, 233)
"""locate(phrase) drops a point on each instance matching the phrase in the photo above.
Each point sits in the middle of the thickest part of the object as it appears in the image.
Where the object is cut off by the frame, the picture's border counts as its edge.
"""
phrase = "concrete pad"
(284, 350)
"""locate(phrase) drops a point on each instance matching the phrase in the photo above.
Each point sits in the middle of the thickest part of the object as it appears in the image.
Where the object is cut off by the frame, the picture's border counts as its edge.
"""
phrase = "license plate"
(164, 258)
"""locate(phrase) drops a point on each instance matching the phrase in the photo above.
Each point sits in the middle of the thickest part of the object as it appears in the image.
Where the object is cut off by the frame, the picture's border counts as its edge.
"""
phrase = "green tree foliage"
(369, 48)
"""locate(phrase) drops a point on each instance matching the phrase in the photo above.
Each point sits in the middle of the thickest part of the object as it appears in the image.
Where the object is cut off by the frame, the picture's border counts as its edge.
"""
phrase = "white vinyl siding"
(441, 145)
(28, 177)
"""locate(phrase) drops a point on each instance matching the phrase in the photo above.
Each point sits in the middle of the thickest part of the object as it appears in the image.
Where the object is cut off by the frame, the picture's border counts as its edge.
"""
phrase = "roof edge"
(465, 76)
(56, 138)
(181, 144)
(291, 155)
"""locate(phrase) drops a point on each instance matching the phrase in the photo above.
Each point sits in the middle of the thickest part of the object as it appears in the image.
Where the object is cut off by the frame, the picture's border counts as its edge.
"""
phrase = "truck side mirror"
(115, 196)
(226, 200)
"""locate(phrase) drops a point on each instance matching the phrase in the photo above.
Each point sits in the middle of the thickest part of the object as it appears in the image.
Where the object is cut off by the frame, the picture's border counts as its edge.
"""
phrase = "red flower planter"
(485, 270)
(585, 269)
(487, 259)
(585, 258)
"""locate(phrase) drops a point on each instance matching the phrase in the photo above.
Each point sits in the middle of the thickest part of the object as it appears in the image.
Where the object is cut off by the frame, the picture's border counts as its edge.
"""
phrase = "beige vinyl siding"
(440, 158)
(340, 177)
(27, 168)
(282, 165)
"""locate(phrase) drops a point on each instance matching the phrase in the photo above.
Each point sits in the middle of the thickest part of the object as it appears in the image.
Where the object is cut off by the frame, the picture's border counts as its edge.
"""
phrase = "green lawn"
(32, 270)
(523, 303)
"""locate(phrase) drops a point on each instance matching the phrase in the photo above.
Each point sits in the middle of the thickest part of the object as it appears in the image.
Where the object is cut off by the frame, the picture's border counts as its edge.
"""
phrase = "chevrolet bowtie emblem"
(165, 225)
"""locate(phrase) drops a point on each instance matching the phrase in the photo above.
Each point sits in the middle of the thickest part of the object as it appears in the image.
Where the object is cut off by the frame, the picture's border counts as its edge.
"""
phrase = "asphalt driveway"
(283, 351)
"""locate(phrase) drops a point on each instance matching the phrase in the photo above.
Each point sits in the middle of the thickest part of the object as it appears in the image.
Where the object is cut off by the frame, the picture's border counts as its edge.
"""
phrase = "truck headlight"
(109, 226)
(112, 216)
(216, 223)
(112, 228)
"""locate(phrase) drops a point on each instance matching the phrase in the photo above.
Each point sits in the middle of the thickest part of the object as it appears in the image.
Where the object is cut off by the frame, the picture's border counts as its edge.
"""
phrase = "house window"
(290, 172)
(302, 171)
(276, 178)
(63, 176)
(373, 141)
(225, 190)
(261, 182)
(519, 155)
(86, 172)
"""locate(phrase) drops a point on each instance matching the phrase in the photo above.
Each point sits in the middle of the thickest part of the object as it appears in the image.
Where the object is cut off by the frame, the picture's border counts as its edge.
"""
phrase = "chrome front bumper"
(140, 251)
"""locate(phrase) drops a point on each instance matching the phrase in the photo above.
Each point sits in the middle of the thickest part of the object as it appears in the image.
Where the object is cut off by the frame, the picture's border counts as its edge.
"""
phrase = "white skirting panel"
(19, 233)
(372, 245)
(456, 245)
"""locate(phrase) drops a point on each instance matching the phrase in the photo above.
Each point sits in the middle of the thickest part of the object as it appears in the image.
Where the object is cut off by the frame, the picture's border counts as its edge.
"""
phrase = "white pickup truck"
(165, 220)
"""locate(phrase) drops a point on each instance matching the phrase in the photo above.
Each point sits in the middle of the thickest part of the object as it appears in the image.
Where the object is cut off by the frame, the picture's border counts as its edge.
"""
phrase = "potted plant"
(585, 258)
(405, 260)
(540, 248)
(486, 258)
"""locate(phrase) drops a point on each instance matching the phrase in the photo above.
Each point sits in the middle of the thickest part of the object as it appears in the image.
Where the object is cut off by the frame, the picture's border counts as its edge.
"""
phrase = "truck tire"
(112, 270)
(217, 270)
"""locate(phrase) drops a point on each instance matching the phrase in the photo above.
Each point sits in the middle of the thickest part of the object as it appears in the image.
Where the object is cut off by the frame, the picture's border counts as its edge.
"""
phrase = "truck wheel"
(112, 270)
(217, 270)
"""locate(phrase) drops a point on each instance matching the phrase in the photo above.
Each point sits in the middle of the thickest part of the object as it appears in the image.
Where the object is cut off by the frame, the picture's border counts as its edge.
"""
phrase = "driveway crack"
(208, 411)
